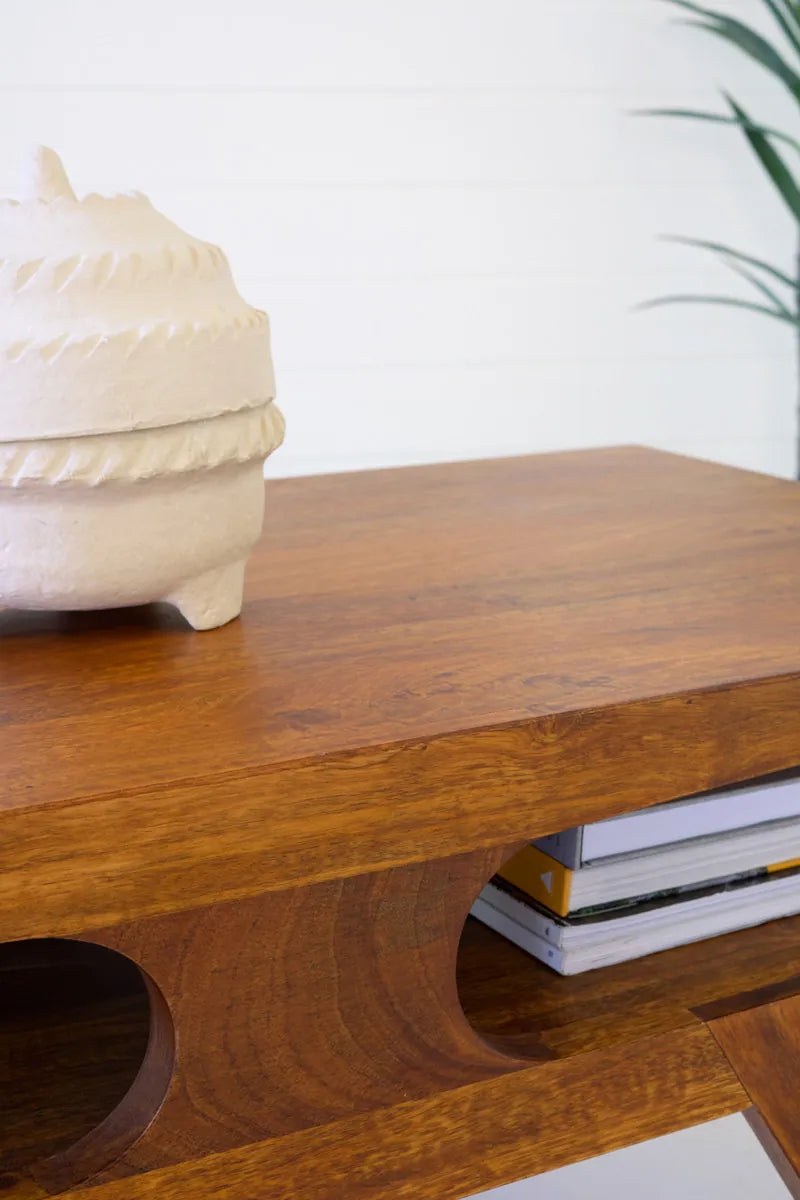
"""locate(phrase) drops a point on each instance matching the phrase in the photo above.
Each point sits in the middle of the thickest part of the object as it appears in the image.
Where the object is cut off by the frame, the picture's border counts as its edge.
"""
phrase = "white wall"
(448, 214)
(442, 204)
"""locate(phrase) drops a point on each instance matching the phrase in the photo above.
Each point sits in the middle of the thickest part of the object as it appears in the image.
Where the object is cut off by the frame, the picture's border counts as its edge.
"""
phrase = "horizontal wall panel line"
(132, 88)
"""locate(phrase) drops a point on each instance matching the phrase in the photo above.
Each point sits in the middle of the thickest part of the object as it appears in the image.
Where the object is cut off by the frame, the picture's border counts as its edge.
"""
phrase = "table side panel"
(472, 1138)
(64, 869)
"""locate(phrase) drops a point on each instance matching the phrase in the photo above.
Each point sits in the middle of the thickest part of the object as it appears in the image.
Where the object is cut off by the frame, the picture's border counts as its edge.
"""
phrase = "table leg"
(763, 1046)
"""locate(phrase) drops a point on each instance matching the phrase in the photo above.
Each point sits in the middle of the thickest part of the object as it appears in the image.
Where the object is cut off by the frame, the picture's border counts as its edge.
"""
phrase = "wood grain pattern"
(391, 606)
(351, 1006)
(513, 1000)
(293, 1009)
(337, 816)
(767, 993)
(471, 1138)
(323, 1045)
(763, 1046)
(775, 1152)
(297, 1008)
(284, 822)
(407, 634)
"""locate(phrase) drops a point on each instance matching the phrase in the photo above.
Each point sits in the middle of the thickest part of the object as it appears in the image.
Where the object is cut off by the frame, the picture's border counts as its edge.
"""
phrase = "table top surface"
(430, 662)
(387, 606)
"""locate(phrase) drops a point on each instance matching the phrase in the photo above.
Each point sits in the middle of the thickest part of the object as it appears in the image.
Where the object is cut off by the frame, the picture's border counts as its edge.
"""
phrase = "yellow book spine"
(541, 877)
(783, 866)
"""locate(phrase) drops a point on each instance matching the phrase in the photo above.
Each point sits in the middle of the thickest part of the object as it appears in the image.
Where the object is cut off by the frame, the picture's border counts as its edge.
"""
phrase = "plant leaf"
(717, 119)
(770, 160)
(788, 24)
(790, 10)
(728, 252)
(746, 38)
(727, 300)
(762, 287)
(785, 12)
(755, 47)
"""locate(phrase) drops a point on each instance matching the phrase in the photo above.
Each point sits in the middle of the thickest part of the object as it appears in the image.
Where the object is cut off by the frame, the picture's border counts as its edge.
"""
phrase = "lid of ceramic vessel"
(113, 318)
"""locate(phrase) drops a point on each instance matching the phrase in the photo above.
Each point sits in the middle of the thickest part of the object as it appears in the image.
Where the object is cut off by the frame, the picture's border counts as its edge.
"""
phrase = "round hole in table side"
(498, 985)
(86, 1056)
(523, 1008)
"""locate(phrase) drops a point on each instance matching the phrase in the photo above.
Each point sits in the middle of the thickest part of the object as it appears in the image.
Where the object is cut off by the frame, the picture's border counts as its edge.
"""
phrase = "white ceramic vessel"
(136, 408)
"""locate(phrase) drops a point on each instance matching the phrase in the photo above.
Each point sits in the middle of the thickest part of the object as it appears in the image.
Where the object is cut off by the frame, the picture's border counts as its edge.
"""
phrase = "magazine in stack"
(646, 881)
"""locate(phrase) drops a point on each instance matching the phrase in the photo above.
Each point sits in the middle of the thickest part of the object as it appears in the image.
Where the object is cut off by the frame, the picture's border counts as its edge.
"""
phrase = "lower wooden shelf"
(73, 1031)
(523, 1006)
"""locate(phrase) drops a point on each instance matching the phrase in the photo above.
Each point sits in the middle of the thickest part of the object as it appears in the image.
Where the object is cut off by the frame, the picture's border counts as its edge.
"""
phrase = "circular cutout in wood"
(86, 1056)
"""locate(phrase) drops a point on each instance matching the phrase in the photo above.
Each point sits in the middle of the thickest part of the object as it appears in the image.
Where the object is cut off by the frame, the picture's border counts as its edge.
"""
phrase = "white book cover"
(536, 920)
(775, 798)
(587, 945)
(681, 865)
(525, 938)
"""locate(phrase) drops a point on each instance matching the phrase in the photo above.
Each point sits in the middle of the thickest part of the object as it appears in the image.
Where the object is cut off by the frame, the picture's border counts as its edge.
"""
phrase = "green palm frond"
(727, 252)
(730, 301)
(786, 19)
(764, 288)
(778, 291)
(719, 119)
(747, 39)
(770, 160)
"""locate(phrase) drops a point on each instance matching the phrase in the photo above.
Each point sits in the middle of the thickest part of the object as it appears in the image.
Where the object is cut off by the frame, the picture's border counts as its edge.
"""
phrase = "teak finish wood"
(429, 661)
(399, 606)
(284, 823)
(774, 1151)
(201, 842)
(471, 1138)
(521, 1006)
(763, 1045)
(334, 999)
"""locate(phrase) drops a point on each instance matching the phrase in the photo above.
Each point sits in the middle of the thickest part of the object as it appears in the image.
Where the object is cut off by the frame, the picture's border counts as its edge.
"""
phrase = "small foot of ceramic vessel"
(212, 599)
(180, 538)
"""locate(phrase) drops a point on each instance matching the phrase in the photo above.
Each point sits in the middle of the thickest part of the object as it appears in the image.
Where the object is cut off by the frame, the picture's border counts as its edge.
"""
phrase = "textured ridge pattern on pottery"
(131, 340)
(195, 260)
(144, 454)
(114, 318)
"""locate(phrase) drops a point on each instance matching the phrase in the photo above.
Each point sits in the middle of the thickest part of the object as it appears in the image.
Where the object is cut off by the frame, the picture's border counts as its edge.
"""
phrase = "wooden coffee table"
(284, 823)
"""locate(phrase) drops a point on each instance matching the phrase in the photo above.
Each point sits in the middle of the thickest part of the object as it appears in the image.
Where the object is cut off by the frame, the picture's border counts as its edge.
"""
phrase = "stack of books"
(650, 880)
